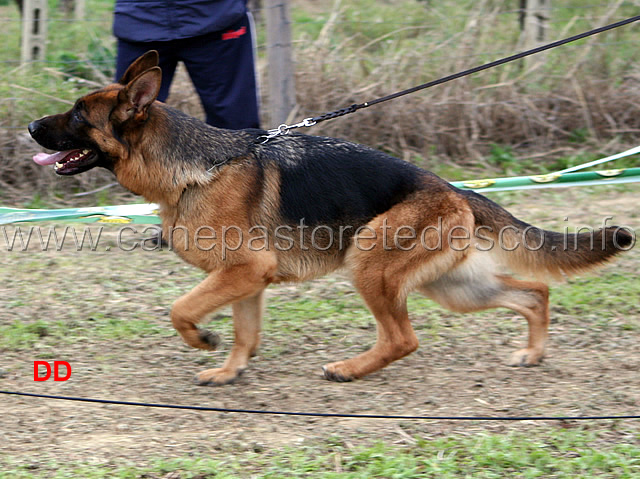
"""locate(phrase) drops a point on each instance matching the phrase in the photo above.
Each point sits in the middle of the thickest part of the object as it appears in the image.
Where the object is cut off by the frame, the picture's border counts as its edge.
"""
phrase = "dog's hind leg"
(531, 299)
(384, 268)
(469, 288)
(395, 340)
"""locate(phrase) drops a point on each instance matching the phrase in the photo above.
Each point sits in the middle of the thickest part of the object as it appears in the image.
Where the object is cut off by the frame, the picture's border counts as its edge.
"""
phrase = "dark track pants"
(221, 67)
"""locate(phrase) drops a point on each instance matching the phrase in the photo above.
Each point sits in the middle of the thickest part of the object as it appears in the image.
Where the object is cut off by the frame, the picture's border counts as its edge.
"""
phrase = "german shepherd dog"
(297, 207)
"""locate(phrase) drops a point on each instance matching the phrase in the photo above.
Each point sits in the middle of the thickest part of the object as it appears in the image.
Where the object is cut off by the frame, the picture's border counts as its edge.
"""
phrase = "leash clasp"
(284, 129)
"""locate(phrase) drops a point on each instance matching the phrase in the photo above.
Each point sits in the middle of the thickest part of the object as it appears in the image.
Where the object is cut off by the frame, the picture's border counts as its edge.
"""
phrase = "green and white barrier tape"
(147, 213)
(139, 214)
(617, 156)
(552, 180)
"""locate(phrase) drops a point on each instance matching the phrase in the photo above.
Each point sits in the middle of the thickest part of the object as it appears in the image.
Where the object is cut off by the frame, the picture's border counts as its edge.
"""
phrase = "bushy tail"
(534, 251)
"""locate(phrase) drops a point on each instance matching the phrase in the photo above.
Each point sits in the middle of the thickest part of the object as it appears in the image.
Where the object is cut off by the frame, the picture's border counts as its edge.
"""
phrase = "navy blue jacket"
(151, 20)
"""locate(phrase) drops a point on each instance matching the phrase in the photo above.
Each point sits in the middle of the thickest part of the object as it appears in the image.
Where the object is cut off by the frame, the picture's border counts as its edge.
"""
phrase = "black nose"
(34, 126)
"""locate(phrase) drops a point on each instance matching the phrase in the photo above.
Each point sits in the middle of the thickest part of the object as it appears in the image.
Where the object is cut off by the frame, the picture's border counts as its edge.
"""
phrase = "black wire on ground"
(321, 414)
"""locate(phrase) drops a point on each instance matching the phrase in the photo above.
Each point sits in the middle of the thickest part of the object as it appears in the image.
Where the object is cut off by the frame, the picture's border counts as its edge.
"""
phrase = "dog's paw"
(525, 357)
(217, 377)
(336, 372)
(210, 339)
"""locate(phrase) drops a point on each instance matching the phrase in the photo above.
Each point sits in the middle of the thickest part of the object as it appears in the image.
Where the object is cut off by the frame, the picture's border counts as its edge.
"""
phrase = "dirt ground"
(460, 371)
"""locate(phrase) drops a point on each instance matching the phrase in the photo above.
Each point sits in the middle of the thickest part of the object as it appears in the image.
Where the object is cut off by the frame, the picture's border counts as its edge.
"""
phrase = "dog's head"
(101, 125)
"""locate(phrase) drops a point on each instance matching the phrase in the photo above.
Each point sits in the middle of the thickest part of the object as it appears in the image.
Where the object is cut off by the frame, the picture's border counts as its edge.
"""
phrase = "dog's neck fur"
(189, 154)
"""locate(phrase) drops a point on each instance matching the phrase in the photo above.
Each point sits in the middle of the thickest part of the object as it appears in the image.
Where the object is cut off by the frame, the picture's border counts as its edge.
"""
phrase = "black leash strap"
(282, 129)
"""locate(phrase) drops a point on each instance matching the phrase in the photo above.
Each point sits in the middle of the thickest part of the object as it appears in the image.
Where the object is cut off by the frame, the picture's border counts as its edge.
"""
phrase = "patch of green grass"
(36, 202)
(579, 135)
(450, 172)
(607, 296)
(503, 158)
(186, 467)
(19, 335)
(564, 162)
(114, 328)
(340, 311)
(293, 314)
(557, 453)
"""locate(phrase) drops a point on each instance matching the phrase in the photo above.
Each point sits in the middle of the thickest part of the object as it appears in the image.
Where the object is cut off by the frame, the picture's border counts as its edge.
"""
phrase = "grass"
(25, 334)
(76, 51)
(610, 296)
(550, 453)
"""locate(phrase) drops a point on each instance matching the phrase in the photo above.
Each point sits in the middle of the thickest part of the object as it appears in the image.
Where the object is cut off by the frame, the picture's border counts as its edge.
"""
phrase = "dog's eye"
(76, 116)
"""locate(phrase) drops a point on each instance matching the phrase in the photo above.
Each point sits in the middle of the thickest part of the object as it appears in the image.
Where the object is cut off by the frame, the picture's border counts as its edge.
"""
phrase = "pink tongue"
(45, 159)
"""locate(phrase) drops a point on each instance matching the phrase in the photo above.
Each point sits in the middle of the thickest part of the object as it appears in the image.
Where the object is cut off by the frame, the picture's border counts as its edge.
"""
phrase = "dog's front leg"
(247, 321)
(241, 286)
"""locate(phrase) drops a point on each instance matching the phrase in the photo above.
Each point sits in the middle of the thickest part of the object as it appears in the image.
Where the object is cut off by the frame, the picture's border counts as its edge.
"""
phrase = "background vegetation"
(569, 105)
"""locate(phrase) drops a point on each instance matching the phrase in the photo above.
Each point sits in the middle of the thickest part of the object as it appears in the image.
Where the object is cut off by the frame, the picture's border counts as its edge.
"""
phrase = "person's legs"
(223, 73)
(129, 51)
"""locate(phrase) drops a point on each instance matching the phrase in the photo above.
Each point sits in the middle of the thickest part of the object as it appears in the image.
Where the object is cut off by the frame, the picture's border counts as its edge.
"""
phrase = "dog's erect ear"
(143, 63)
(135, 98)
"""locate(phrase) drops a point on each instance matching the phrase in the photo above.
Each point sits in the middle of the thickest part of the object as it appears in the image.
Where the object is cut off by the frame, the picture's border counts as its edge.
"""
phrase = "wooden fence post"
(34, 30)
(75, 8)
(534, 23)
(282, 90)
(79, 10)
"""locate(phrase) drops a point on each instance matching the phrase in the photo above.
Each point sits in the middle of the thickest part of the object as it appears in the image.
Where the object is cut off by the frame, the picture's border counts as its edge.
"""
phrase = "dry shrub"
(459, 122)
(21, 180)
(429, 127)
(535, 106)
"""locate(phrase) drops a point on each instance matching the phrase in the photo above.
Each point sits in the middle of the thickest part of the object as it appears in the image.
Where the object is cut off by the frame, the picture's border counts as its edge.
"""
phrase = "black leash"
(307, 122)
(322, 414)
